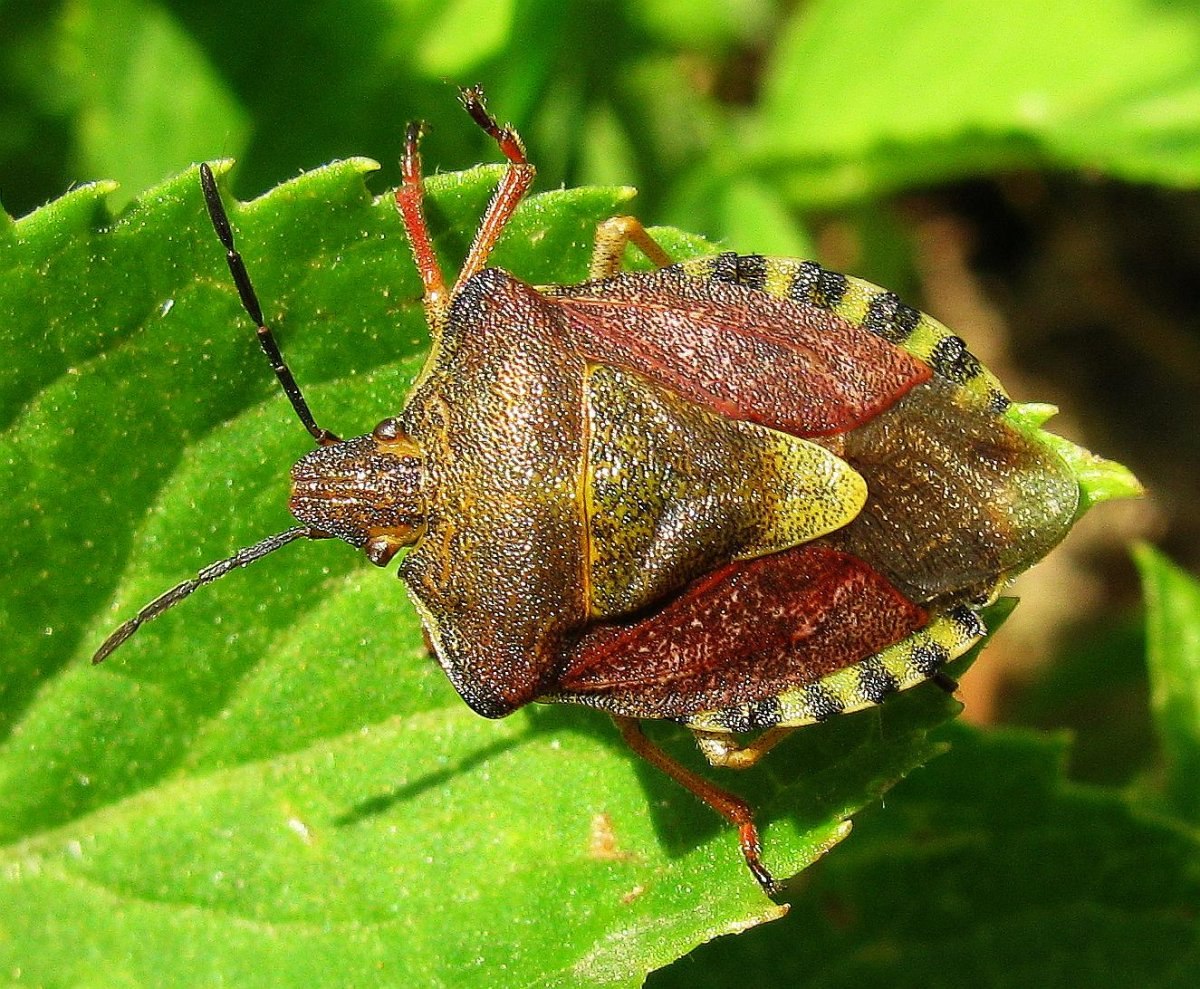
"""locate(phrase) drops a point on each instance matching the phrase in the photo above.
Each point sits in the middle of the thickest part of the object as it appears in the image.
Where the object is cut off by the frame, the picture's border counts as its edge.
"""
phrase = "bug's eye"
(380, 549)
(387, 430)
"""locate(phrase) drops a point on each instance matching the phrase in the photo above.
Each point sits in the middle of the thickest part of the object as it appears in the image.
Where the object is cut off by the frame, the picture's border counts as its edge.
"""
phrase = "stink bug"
(740, 493)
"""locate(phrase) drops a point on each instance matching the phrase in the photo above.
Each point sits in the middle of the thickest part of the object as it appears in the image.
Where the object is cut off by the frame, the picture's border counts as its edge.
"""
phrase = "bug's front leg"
(722, 749)
(613, 236)
(410, 201)
(734, 809)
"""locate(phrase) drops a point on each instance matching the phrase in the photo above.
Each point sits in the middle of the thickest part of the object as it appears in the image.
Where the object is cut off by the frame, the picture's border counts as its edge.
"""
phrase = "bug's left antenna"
(214, 571)
(237, 268)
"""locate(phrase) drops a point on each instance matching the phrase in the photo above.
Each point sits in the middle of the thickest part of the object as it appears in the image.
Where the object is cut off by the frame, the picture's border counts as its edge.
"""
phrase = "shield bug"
(740, 493)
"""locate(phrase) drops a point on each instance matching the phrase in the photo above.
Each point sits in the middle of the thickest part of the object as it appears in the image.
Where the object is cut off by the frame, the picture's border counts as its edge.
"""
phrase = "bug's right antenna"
(168, 600)
(237, 268)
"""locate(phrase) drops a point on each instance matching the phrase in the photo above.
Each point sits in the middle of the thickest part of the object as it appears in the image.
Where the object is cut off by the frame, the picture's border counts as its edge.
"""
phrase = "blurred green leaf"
(861, 98)
(1096, 689)
(1173, 650)
(706, 24)
(464, 33)
(148, 98)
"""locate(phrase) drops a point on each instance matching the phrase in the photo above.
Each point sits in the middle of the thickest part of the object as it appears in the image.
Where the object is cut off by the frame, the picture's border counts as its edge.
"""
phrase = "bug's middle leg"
(613, 236)
(722, 749)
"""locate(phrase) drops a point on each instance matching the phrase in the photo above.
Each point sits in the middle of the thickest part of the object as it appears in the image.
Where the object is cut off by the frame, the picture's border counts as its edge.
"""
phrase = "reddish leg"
(410, 199)
(733, 809)
(509, 192)
(410, 202)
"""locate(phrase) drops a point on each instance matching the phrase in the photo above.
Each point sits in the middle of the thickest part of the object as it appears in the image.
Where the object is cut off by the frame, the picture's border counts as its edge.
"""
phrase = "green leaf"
(274, 780)
(985, 868)
(1099, 479)
(1096, 689)
(864, 97)
(1173, 648)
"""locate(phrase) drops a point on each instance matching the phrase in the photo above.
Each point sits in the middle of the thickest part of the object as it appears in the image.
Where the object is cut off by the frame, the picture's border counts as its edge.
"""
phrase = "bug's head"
(366, 490)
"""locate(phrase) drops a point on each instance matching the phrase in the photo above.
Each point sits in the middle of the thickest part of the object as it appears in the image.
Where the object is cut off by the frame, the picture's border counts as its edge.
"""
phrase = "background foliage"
(276, 787)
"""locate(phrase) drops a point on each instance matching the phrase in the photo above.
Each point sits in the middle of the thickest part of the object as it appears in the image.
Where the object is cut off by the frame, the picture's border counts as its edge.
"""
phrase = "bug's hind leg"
(613, 236)
(733, 809)
(722, 749)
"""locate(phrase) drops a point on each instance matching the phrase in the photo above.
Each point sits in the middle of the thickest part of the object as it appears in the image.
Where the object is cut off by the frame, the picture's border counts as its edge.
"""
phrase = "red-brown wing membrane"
(745, 632)
(743, 353)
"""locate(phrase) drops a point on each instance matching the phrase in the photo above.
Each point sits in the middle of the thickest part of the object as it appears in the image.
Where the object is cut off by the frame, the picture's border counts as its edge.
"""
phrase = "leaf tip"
(1099, 479)
(84, 207)
(220, 166)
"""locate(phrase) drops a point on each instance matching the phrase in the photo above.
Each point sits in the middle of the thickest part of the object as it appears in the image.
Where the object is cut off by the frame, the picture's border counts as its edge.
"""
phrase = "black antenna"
(243, 557)
(237, 268)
